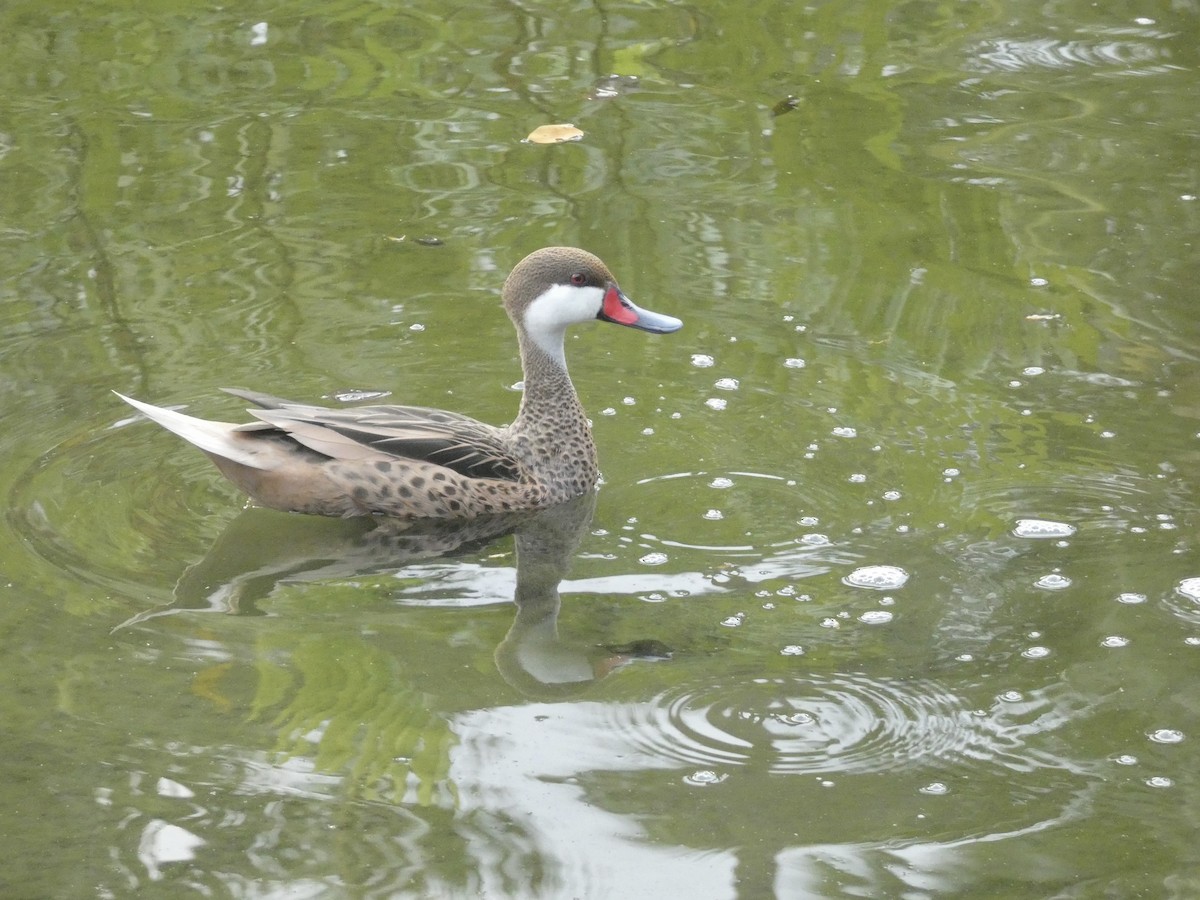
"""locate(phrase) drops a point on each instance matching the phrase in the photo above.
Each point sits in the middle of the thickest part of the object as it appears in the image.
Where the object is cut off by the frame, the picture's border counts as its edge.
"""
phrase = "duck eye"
(579, 279)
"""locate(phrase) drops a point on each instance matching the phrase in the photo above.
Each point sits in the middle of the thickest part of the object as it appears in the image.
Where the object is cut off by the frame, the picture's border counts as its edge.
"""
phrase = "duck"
(415, 462)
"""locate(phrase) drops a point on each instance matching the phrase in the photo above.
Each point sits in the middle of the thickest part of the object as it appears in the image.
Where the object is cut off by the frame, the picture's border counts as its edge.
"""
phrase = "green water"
(945, 288)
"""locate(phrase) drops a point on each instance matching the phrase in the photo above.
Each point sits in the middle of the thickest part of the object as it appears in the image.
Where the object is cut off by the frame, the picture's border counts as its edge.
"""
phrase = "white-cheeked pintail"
(417, 462)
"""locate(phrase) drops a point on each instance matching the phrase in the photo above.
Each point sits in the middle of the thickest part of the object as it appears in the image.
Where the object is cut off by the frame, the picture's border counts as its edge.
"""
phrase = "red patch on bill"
(615, 308)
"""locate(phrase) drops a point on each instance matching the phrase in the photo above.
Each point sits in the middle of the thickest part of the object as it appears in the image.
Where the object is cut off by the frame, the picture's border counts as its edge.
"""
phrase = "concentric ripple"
(849, 724)
(1050, 53)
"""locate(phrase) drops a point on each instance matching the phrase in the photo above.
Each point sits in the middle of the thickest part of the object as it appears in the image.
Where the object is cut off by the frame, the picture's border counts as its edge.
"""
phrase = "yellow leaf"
(554, 134)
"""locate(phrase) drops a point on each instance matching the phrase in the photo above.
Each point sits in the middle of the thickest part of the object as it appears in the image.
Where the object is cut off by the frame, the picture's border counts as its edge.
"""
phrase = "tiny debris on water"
(611, 86)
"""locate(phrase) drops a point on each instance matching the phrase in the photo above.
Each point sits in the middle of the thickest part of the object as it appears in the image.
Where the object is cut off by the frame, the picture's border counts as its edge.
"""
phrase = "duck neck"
(549, 396)
(551, 430)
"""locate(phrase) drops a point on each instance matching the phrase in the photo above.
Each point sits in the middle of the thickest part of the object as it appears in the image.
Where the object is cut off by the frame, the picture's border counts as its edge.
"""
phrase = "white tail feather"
(217, 438)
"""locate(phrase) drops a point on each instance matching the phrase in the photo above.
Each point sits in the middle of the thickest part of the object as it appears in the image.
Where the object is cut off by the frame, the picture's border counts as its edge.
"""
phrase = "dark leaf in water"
(786, 105)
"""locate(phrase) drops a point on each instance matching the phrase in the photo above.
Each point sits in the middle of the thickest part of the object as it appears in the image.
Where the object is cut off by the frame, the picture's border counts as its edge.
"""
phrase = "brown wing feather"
(468, 446)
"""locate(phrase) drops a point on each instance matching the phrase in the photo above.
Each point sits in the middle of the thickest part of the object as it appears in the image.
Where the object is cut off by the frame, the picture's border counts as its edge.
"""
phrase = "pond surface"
(892, 586)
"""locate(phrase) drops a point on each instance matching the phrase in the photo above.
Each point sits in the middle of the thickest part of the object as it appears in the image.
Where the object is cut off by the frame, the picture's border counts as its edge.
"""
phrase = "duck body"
(417, 462)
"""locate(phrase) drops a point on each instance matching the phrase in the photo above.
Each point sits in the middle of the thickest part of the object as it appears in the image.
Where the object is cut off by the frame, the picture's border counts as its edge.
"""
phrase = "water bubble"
(1190, 588)
(892, 495)
(417, 327)
(936, 788)
(1192, 641)
(1010, 697)
(1166, 736)
(877, 578)
(794, 362)
(1035, 652)
(715, 403)
(808, 521)
(830, 623)
(608, 411)
(734, 621)
(703, 778)
(845, 431)
(726, 384)
(1038, 282)
(1042, 528)
(629, 401)
(792, 650)
(701, 360)
(721, 482)
(951, 472)
(965, 657)
(1125, 759)
(876, 617)
(857, 478)
(714, 514)
(1115, 640)
(1053, 582)
(654, 559)
(1159, 781)
(353, 395)
(815, 540)
(794, 719)
(1033, 370)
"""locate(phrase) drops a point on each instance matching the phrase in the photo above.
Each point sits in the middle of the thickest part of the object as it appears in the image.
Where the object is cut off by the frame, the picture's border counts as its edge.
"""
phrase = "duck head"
(555, 287)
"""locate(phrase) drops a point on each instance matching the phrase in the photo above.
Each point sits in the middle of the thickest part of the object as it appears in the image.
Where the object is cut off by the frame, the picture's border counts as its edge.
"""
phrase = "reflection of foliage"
(347, 705)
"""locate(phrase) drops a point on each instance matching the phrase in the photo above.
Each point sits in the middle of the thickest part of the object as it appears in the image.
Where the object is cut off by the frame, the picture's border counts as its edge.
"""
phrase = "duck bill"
(619, 309)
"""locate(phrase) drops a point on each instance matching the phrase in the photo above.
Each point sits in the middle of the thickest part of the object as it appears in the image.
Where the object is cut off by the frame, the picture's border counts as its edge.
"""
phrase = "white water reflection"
(561, 782)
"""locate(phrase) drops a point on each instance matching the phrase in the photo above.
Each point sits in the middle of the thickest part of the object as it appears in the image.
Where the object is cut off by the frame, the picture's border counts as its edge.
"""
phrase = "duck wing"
(472, 448)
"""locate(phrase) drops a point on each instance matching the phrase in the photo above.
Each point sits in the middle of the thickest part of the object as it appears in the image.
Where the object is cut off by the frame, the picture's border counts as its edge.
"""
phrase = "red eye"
(579, 279)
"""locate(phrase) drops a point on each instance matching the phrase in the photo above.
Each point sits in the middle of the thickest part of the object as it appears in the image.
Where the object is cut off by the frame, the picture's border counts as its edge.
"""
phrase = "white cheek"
(547, 317)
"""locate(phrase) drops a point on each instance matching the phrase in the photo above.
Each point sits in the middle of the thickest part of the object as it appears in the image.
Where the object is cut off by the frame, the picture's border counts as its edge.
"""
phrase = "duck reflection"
(262, 549)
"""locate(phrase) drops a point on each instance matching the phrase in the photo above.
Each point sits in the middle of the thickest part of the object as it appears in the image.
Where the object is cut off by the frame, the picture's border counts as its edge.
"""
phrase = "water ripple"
(846, 723)
(1007, 55)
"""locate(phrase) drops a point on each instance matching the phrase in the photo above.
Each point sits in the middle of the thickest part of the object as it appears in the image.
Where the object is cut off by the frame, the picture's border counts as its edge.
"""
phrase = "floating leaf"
(554, 134)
